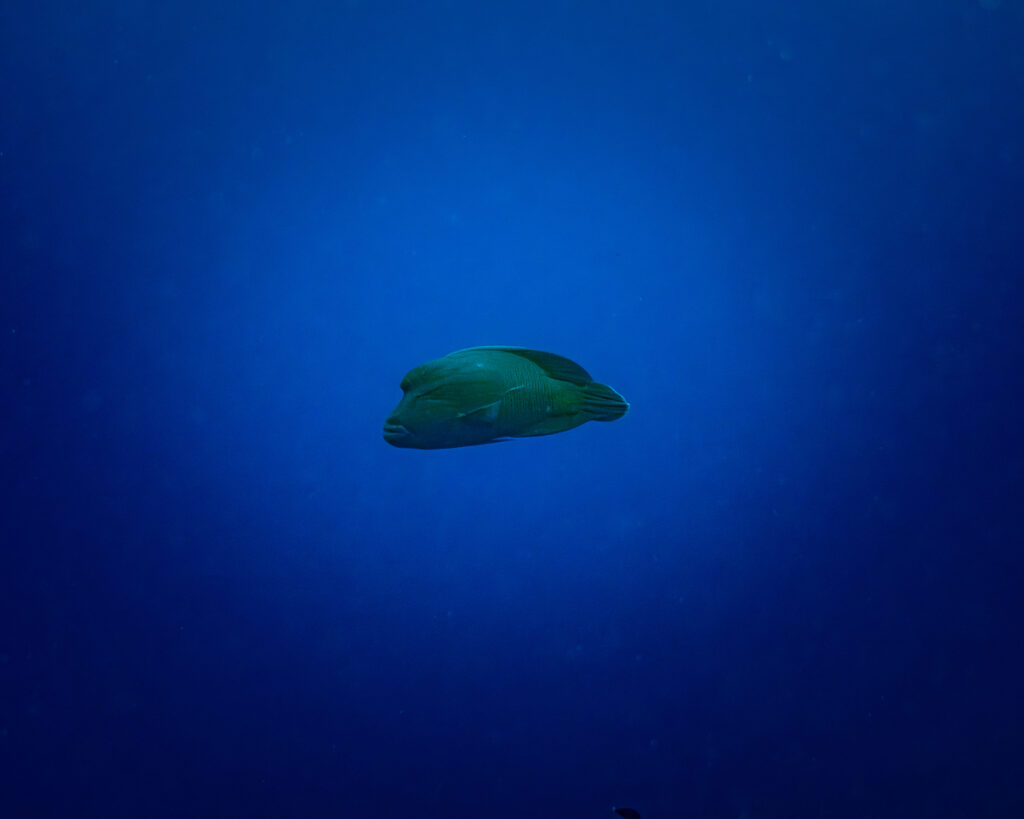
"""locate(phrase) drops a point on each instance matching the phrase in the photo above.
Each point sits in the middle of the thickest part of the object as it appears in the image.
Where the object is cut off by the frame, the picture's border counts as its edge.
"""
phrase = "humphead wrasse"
(487, 394)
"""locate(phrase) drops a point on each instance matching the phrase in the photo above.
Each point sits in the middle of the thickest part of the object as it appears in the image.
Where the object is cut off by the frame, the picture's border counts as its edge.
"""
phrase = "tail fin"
(602, 403)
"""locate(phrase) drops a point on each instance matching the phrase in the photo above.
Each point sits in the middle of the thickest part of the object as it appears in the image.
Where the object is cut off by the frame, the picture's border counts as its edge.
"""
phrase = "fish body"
(486, 394)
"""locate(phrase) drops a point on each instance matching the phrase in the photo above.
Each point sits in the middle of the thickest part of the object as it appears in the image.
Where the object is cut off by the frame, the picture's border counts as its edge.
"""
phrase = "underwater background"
(786, 584)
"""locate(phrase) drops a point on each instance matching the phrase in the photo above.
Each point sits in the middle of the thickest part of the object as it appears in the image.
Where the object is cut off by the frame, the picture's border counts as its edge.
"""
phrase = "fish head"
(442, 406)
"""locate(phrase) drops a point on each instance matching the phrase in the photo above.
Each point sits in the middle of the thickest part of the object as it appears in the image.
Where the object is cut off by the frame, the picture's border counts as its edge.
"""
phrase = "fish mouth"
(393, 433)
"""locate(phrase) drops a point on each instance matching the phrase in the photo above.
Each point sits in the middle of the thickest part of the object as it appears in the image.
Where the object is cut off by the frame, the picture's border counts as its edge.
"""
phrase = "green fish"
(487, 394)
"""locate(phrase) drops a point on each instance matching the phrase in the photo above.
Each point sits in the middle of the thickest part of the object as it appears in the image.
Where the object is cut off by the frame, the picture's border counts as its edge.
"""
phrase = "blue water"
(786, 584)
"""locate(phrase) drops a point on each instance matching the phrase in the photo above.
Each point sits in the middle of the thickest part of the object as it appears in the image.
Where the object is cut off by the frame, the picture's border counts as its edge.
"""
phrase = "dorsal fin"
(554, 365)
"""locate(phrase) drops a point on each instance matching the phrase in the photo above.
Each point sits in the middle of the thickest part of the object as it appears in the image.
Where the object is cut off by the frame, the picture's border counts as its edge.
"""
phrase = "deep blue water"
(786, 584)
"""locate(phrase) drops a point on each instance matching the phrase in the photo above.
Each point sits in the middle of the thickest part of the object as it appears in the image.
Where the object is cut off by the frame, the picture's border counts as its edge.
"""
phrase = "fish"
(481, 395)
(626, 813)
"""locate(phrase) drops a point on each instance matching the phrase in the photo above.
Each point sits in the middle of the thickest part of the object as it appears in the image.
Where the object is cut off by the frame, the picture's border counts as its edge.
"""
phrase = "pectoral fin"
(487, 413)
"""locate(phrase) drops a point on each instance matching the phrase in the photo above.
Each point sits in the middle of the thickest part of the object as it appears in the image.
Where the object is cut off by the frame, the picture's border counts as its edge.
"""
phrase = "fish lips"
(396, 434)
